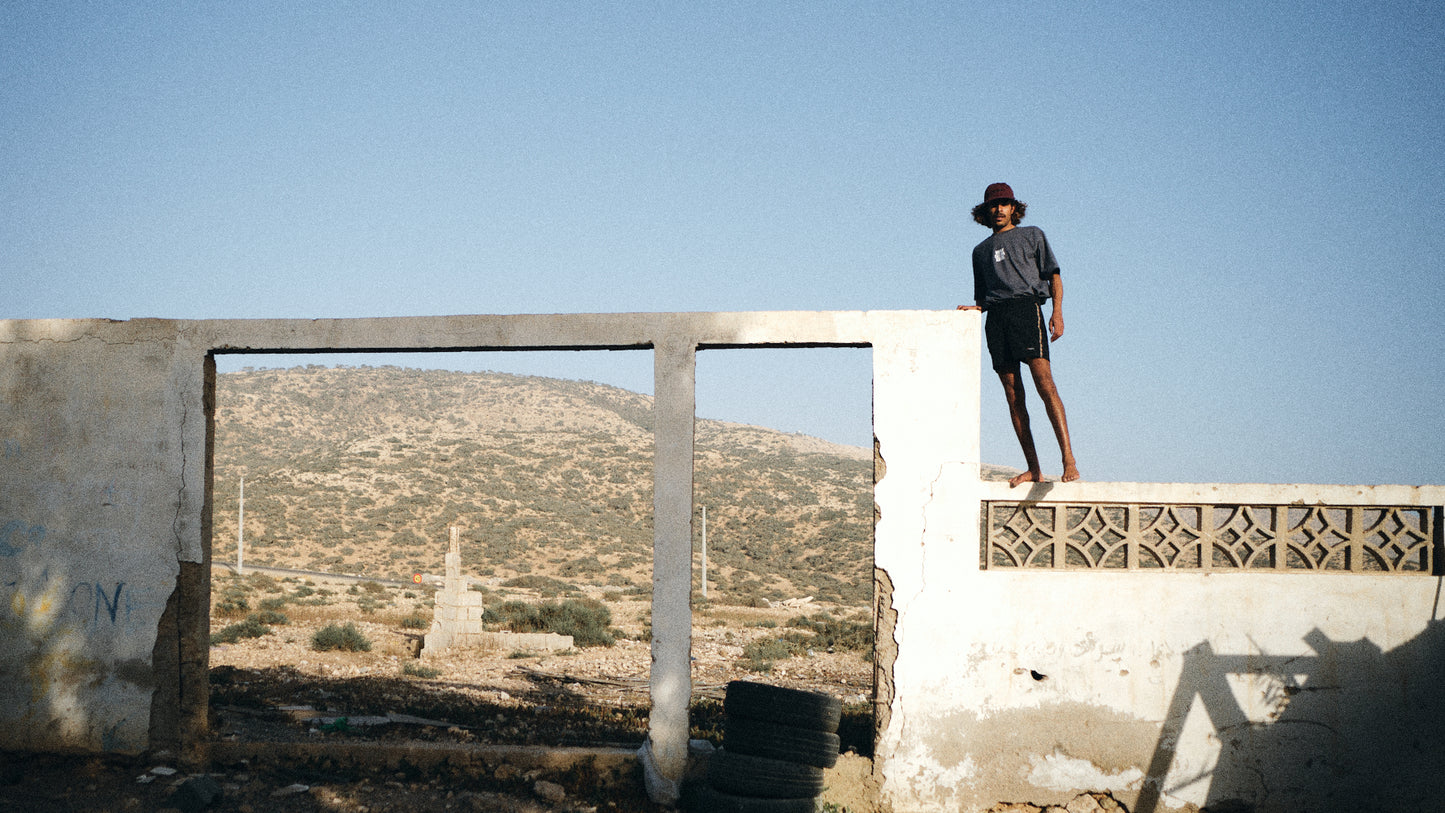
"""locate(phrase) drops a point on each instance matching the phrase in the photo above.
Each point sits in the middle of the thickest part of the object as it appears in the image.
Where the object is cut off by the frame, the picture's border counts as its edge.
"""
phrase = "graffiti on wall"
(78, 611)
(83, 604)
(16, 536)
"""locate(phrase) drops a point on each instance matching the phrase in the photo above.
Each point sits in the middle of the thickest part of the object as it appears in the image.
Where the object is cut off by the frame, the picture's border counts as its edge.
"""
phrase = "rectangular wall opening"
(788, 496)
(357, 469)
(790, 589)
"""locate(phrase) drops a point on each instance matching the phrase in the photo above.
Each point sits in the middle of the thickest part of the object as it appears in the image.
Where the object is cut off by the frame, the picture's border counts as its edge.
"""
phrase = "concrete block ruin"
(457, 618)
(1179, 646)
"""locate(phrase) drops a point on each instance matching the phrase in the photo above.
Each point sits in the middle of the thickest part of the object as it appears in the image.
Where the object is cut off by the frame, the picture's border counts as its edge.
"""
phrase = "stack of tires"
(776, 744)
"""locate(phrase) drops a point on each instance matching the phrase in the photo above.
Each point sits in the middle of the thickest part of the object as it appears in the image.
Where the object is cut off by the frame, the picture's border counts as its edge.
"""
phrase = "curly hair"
(981, 216)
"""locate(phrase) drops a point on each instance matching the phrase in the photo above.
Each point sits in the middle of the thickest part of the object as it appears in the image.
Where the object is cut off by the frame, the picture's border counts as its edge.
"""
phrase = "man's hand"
(969, 308)
(1056, 325)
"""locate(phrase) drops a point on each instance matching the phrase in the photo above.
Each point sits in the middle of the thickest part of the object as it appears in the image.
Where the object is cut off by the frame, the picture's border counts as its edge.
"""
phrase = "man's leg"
(1044, 383)
(1018, 412)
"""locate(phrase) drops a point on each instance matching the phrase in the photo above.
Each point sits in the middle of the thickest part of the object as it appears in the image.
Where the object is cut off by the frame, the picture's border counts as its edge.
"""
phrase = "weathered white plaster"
(1057, 771)
(1290, 691)
(93, 525)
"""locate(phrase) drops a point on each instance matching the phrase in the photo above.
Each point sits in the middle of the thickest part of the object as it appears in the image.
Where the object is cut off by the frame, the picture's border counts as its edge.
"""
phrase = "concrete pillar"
(674, 371)
(926, 405)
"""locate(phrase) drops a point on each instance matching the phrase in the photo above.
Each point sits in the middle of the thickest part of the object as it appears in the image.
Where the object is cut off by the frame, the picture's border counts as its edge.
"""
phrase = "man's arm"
(1056, 293)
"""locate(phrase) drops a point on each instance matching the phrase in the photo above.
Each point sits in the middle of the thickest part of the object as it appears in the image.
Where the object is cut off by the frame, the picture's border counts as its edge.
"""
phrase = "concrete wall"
(1169, 688)
(104, 542)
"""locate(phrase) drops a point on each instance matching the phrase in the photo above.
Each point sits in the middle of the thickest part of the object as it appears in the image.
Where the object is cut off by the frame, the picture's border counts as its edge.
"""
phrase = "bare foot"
(1029, 477)
(1071, 473)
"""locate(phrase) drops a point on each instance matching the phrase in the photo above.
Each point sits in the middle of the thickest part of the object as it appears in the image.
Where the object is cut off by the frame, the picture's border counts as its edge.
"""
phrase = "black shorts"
(1015, 332)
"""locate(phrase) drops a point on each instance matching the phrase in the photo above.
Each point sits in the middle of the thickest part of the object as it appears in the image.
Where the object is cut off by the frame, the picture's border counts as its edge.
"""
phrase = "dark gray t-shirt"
(1013, 264)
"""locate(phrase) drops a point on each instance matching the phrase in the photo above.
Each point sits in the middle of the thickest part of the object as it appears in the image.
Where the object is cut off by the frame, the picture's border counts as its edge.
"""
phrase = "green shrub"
(273, 603)
(588, 621)
(759, 655)
(374, 588)
(263, 582)
(250, 628)
(270, 617)
(543, 583)
(344, 637)
(414, 622)
(232, 605)
(418, 670)
(834, 633)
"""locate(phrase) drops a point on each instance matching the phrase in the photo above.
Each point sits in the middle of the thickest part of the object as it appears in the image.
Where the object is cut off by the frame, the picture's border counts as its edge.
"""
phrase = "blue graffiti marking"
(12, 448)
(111, 604)
(33, 534)
(104, 602)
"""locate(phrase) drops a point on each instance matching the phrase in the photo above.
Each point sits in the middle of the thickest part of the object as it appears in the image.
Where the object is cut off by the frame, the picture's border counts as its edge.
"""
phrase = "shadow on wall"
(44, 619)
(74, 671)
(1349, 728)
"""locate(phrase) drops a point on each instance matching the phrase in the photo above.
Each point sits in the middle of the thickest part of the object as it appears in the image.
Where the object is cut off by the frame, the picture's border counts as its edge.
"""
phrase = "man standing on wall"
(1014, 272)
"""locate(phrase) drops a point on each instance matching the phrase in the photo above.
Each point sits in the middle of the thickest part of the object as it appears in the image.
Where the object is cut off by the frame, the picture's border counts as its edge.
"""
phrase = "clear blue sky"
(1247, 198)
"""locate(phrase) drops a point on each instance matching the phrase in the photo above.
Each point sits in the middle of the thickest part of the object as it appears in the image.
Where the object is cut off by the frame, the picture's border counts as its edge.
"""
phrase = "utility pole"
(241, 532)
(704, 553)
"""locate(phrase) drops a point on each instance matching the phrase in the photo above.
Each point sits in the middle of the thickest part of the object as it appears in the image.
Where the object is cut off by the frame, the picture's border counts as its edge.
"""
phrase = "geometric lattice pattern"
(1238, 538)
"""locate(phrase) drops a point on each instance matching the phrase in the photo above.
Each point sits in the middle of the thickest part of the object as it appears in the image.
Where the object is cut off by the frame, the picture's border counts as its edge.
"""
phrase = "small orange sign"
(416, 578)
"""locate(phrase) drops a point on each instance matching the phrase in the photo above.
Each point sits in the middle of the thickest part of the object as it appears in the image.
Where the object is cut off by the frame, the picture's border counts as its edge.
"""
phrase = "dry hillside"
(362, 470)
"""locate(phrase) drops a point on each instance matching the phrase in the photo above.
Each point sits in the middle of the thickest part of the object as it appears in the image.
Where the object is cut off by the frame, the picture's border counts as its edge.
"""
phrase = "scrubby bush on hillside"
(832, 633)
(545, 584)
(270, 617)
(232, 605)
(234, 598)
(343, 637)
(252, 627)
(759, 655)
(415, 669)
(586, 620)
(263, 582)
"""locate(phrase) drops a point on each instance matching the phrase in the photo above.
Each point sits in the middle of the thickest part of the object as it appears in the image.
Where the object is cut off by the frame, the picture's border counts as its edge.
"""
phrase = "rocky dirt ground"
(277, 688)
(47, 783)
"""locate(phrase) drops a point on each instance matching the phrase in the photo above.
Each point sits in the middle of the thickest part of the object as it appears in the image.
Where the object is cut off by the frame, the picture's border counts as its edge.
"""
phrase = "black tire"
(761, 739)
(763, 778)
(775, 704)
(700, 797)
